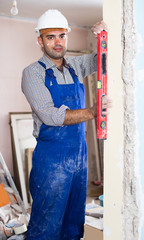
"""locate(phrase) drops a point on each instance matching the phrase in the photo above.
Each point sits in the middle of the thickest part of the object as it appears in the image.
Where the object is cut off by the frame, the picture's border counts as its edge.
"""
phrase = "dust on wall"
(130, 210)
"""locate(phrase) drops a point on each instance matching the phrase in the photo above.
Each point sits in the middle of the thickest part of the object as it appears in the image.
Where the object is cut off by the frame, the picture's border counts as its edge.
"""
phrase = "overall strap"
(42, 64)
(73, 74)
(50, 78)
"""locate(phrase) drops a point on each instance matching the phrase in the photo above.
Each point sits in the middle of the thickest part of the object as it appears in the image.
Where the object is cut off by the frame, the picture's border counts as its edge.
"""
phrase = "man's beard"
(53, 54)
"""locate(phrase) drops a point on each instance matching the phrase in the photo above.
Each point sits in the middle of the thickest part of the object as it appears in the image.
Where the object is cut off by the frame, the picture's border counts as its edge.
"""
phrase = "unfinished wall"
(130, 181)
(18, 48)
(139, 82)
(122, 218)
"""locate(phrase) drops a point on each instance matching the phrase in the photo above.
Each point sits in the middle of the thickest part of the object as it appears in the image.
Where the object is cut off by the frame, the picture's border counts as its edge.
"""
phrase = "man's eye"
(63, 36)
(50, 37)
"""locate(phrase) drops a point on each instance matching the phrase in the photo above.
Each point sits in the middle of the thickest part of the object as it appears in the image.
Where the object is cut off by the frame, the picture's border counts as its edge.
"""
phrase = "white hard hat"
(52, 19)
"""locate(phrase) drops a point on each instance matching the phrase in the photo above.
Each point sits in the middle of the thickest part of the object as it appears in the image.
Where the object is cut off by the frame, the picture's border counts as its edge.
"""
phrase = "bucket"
(101, 200)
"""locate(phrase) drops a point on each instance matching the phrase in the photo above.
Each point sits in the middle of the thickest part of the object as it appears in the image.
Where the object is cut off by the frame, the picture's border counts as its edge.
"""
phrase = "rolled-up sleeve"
(40, 98)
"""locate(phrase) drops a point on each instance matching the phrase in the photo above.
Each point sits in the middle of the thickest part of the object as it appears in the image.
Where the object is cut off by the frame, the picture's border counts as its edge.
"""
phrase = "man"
(53, 87)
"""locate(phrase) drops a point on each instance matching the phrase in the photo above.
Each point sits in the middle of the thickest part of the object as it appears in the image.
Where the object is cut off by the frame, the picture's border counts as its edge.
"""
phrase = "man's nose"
(57, 40)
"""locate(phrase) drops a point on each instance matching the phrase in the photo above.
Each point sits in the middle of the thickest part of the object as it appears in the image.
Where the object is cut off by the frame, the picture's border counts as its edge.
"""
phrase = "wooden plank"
(90, 78)
(19, 140)
(28, 161)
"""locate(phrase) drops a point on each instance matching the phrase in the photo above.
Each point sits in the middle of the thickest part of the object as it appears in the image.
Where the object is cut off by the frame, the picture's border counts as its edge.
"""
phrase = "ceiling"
(83, 13)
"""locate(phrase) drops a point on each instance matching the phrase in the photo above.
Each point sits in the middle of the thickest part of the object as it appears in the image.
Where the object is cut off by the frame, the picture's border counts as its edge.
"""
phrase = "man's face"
(54, 43)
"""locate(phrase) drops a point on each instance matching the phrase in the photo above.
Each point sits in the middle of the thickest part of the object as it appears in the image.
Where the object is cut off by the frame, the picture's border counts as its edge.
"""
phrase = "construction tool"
(11, 188)
(102, 47)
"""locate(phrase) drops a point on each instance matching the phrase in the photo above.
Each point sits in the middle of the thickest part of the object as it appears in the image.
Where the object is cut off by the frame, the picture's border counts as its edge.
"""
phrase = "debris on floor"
(94, 215)
(13, 216)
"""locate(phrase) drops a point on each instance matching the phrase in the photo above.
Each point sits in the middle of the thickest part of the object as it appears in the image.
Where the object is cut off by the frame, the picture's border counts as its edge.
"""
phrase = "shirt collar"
(50, 64)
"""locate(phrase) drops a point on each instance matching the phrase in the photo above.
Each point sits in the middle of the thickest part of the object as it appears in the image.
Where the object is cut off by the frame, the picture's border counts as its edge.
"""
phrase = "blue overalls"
(59, 174)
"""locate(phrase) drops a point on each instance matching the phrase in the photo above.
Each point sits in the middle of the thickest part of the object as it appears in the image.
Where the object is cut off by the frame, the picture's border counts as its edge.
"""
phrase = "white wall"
(113, 147)
(18, 49)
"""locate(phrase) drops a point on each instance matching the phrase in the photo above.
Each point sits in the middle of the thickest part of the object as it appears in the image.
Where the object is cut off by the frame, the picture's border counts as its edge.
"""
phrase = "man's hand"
(98, 27)
(83, 115)
(106, 103)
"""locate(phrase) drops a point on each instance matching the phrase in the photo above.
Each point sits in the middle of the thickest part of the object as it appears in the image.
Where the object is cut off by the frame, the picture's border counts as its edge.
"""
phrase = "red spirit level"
(101, 83)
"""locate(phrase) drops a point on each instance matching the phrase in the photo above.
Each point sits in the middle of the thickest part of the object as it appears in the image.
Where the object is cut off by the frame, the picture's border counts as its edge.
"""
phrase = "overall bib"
(58, 177)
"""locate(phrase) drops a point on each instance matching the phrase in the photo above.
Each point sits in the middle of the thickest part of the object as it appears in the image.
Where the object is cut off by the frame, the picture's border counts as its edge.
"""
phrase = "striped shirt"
(38, 95)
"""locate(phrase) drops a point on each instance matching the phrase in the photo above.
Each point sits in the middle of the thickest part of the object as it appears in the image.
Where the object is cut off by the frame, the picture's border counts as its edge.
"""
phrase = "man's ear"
(40, 41)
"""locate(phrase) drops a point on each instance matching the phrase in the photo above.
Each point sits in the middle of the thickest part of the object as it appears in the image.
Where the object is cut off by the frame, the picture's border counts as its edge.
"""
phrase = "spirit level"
(101, 83)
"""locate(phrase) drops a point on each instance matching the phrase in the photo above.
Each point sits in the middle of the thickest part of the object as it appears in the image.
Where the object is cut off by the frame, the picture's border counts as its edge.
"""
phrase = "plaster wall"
(18, 49)
(123, 198)
(130, 208)
(139, 83)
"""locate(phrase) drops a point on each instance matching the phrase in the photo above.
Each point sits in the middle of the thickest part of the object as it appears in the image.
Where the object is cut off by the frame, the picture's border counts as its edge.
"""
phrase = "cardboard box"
(92, 233)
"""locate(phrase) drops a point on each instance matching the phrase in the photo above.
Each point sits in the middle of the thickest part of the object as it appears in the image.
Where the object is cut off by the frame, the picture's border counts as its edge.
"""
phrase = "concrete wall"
(139, 78)
(18, 49)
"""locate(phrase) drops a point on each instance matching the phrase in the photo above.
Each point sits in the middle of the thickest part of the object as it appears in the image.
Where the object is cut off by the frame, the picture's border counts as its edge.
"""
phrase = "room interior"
(80, 24)
(19, 48)
(20, 28)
